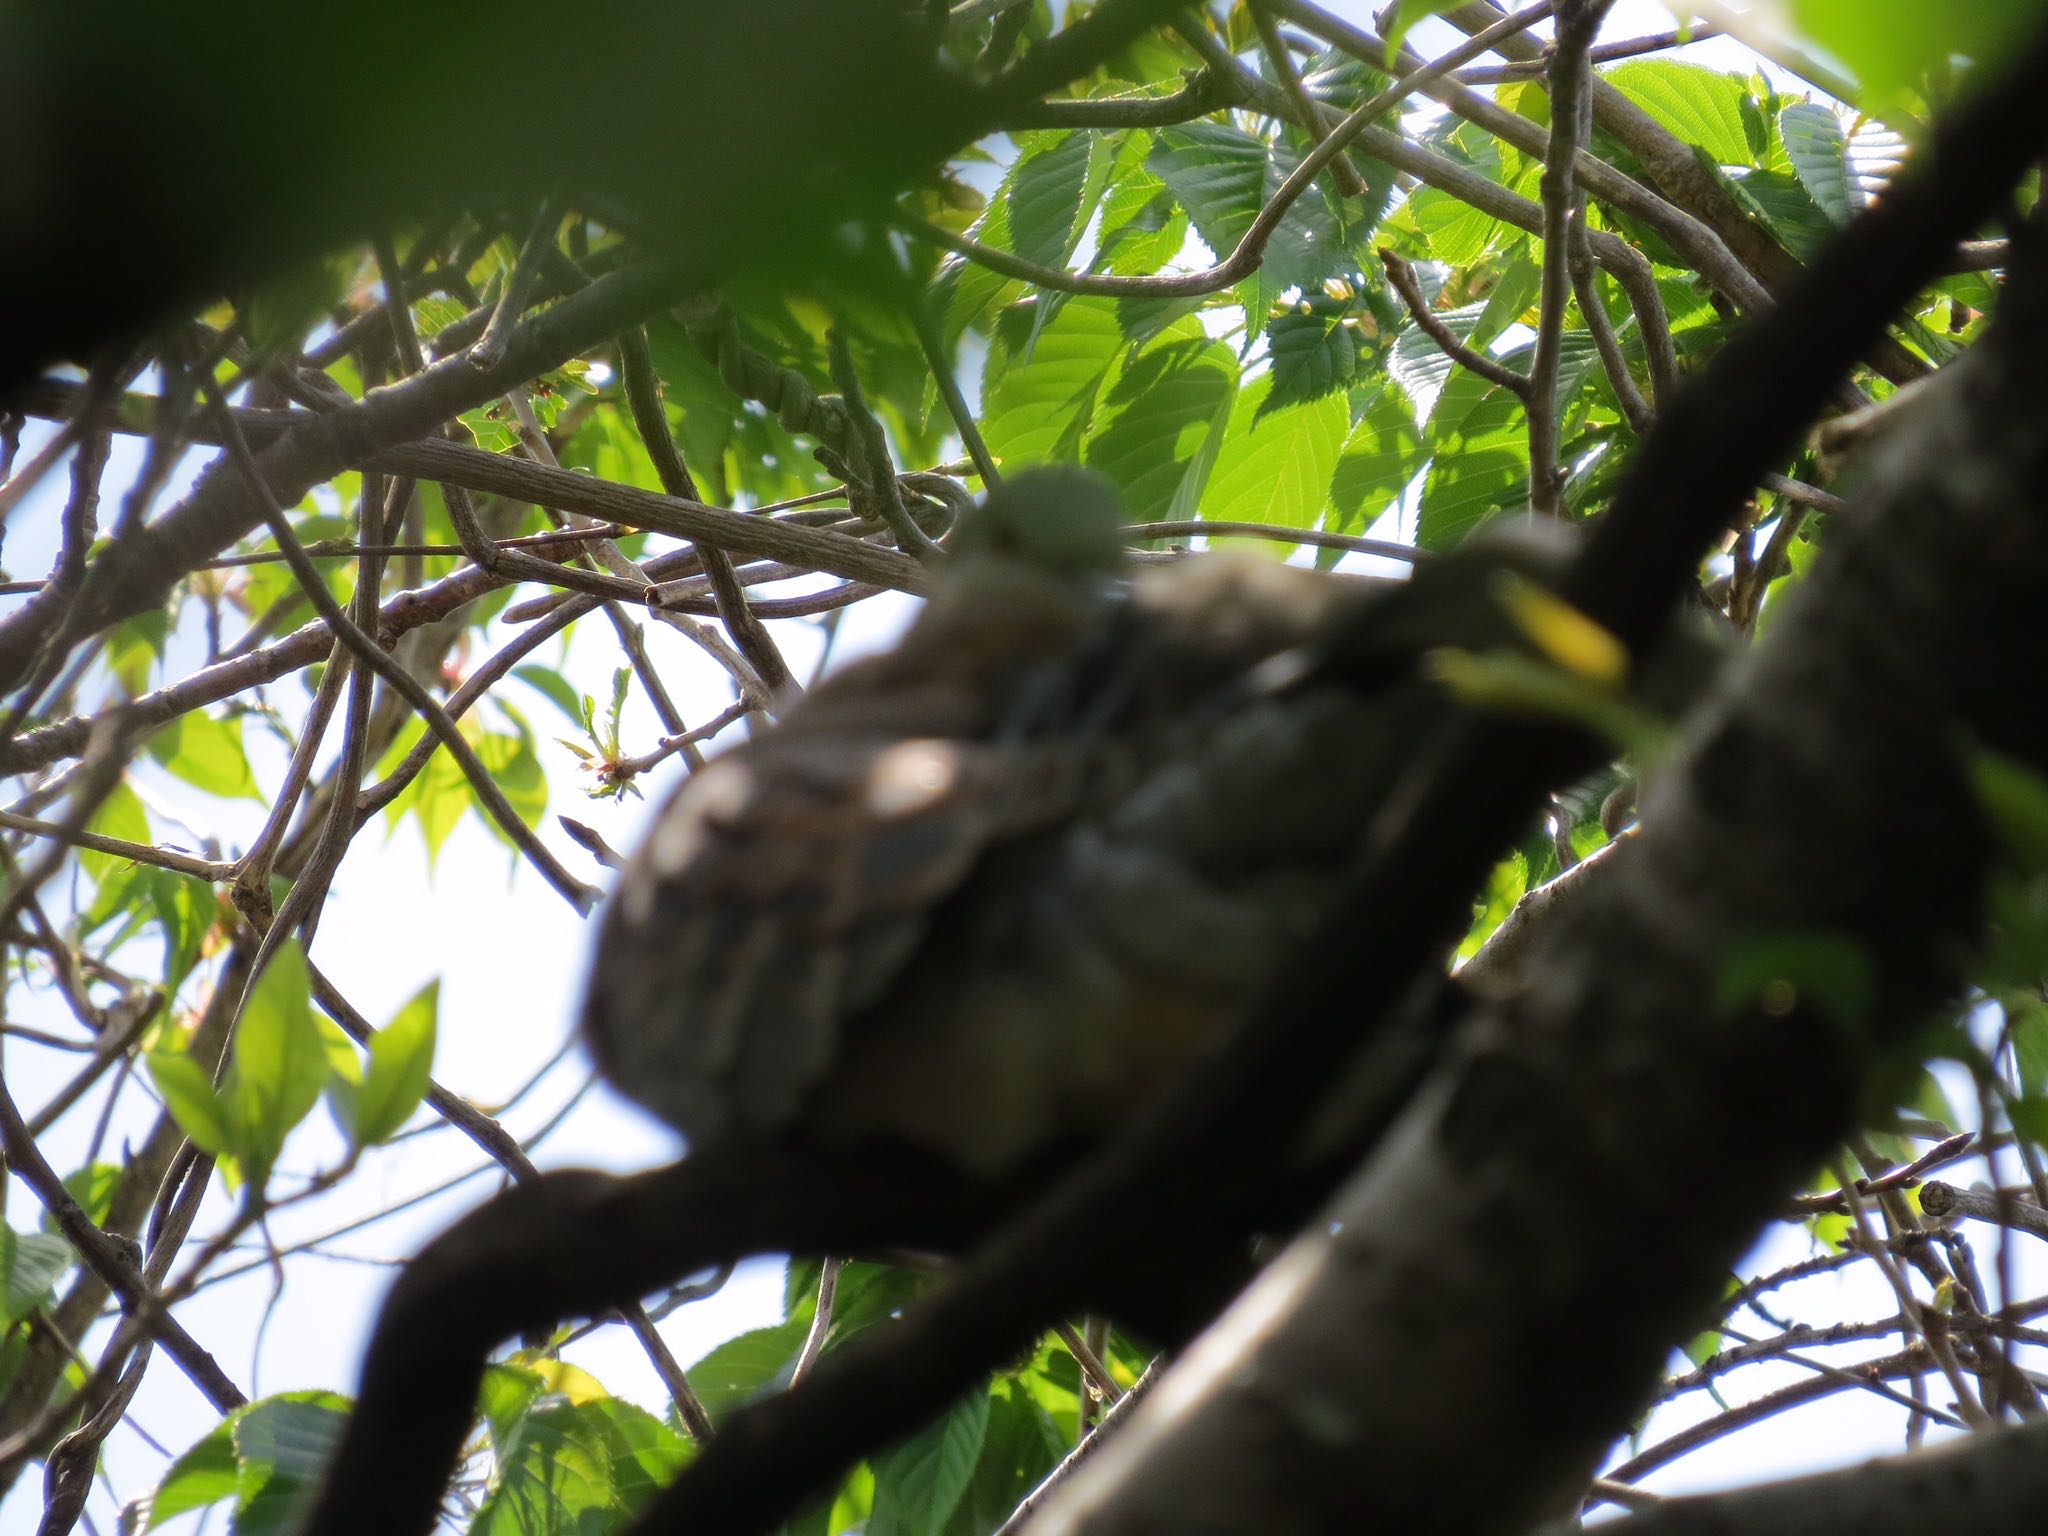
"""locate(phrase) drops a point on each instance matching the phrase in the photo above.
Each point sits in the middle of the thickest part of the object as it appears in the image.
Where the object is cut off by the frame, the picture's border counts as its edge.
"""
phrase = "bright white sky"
(510, 959)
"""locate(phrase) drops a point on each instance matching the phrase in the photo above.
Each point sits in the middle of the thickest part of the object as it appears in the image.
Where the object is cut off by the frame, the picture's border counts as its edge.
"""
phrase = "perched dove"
(984, 894)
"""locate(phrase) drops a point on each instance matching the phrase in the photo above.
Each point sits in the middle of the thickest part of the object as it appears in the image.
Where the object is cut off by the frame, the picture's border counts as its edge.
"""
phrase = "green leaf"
(1044, 190)
(1702, 106)
(267, 1456)
(1382, 455)
(1408, 13)
(1514, 291)
(1223, 176)
(279, 1063)
(2027, 1024)
(438, 795)
(135, 646)
(2015, 797)
(282, 1446)
(1154, 421)
(207, 753)
(1819, 152)
(645, 1453)
(204, 1475)
(515, 768)
(401, 1058)
(1313, 356)
(554, 1476)
(290, 304)
(1144, 320)
(185, 911)
(742, 1368)
(30, 1263)
(1480, 467)
(1038, 405)
(869, 1295)
(1143, 227)
(503, 1398)
(1702, 1347)
(918, 1483)
(1791, 212)
(93, 1188)
(554, 687)
(1020, 1446)
(1896, 46)
(2029, 1118)
(1455, 232)
(1424, 369)
(1275, 467)
(188, 1093)
(1505, 887)
(967, 291)
(120, 815)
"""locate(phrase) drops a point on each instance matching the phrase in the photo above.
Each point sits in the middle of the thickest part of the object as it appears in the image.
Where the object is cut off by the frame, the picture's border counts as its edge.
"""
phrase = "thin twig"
(956, 403)
(1251, 247)
(821, 1320)
(1021, 1517)
(1342, 171)
(643, 399)
(1605, 53)
(1402, 276)
(1564, 211)
(489, 349)
(1932, 1331)
(489, 795)
(112, 1263)
(121, 848)
(1386, 549)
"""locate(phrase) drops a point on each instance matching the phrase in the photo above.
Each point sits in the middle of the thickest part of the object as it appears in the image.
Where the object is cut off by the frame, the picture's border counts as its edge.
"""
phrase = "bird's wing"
(779, 892)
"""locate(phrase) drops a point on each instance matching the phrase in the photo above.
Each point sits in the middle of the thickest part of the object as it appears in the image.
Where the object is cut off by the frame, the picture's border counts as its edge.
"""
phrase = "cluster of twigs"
(282, 427)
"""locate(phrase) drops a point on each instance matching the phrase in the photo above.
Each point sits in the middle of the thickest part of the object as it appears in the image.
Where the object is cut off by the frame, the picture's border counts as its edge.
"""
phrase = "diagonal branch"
(1564, 211)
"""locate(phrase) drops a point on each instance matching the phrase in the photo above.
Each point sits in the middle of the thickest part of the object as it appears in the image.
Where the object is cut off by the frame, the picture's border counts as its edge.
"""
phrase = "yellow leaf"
(1563, 634)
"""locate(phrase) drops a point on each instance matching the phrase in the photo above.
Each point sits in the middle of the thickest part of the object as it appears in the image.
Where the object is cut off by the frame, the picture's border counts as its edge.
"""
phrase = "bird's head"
(1057, 518)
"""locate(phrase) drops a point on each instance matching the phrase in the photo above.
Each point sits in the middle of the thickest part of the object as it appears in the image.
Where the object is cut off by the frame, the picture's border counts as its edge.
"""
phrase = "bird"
(981, 896)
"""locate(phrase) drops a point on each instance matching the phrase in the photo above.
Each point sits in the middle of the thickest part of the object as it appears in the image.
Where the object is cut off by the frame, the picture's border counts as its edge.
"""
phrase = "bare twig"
(489, 349)
(821, 1320)
(1931, 1329)
(1564, 211)
(121, 848)
(1342, 171)
(1402, 276)
(489, 795)
(643, 397)
(111, 1262)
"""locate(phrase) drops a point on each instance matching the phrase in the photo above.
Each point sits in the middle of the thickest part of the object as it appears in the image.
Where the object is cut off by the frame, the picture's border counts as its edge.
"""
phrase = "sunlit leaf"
(30, 1263)
(1275, 466)
(401, 1058)
(1702, 106)
(207, 752)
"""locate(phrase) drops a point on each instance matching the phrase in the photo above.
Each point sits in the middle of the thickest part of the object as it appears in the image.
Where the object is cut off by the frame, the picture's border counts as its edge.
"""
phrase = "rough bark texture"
(1695, 1041)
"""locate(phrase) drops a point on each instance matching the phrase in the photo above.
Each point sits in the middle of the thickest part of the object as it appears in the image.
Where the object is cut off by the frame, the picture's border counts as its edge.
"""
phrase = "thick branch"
(525, 1260)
